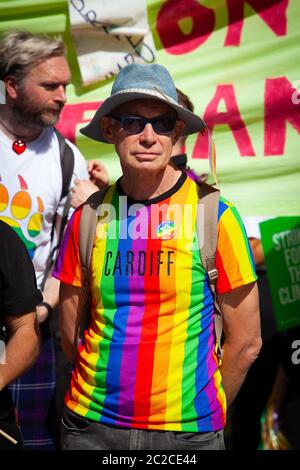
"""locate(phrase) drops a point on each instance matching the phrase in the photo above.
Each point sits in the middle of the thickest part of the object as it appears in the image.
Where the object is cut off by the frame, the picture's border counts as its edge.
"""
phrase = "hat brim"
(193, 123)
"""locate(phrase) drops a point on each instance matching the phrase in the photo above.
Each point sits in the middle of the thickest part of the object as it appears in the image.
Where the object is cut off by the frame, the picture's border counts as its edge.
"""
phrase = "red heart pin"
(19, 146)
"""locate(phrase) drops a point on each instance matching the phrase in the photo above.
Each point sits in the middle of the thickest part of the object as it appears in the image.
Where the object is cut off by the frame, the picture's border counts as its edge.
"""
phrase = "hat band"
(156, 93)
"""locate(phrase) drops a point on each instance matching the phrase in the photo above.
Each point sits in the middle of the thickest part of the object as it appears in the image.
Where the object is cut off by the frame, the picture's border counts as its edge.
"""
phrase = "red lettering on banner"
(231, 117)
(279, 108)
(72, 115)
(272, 12)
(172, 12)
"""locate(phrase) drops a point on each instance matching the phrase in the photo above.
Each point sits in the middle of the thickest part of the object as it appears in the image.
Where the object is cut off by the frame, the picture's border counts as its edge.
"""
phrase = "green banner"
(281, 245)
(238, 60)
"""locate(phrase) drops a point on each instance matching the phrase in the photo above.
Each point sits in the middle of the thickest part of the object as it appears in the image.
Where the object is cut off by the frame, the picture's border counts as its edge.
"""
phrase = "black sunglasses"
(135, 124)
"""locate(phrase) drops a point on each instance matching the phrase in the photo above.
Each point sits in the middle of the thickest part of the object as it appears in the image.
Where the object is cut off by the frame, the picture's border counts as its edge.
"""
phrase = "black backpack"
(67, 168)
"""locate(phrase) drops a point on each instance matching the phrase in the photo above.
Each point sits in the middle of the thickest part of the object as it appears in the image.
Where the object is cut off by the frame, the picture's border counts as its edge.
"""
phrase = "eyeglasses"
(135, 124)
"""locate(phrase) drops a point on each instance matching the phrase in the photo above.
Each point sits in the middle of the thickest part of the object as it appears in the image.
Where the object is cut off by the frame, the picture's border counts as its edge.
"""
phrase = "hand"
(98, 174)
(81, 191)
(42, 313)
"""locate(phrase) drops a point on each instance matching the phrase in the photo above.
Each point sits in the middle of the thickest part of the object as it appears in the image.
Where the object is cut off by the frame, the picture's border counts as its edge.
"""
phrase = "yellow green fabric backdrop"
(239, 63)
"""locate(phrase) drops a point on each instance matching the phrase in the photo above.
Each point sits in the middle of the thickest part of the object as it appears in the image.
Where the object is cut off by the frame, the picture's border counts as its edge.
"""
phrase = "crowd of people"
(133, 358)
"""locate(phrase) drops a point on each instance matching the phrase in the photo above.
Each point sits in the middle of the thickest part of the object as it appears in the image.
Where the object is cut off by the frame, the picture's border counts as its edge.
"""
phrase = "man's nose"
(148, 134)
(60, 95)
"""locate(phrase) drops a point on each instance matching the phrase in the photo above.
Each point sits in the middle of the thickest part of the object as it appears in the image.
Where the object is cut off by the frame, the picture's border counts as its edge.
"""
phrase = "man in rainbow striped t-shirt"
(146, 374)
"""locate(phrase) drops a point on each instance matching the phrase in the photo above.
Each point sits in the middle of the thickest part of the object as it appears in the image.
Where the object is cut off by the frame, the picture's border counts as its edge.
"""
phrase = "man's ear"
(11, 86)
(107, 129)
(180, 125)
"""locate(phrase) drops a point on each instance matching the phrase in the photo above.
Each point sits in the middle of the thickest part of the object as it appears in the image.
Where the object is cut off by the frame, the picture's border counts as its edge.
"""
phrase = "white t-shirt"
(30, 191)
(251, 223)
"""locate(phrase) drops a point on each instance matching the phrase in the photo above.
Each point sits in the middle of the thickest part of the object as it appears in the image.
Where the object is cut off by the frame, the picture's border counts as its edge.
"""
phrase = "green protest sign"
(281, 245)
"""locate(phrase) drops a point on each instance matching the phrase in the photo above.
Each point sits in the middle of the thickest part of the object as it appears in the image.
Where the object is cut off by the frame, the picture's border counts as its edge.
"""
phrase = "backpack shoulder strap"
(207, 231)
(67, 169)
(87, 229)
(66, 162)
(66, 156)
(208, 205)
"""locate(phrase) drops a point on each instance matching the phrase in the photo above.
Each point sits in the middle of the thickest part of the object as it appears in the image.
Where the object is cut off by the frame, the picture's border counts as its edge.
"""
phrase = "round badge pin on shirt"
(166, 230)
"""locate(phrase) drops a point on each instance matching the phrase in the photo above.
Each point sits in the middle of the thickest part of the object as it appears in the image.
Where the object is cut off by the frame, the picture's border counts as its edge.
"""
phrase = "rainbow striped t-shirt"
(148, 357)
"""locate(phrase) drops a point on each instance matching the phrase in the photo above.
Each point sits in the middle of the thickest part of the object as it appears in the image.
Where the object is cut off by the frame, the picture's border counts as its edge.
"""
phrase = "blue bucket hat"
(138, 81)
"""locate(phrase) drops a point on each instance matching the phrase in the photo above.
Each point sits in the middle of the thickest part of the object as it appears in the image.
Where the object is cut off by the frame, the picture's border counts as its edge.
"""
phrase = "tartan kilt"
(33, 395)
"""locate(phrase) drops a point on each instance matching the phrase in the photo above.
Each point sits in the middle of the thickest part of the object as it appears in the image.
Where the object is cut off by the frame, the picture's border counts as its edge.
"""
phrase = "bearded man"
(35, 73)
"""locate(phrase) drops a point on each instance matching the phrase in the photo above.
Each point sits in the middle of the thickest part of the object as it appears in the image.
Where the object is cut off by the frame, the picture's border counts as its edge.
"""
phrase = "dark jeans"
(79, 433)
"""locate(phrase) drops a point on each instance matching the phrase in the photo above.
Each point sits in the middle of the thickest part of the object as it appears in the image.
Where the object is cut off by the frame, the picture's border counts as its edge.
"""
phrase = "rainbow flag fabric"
(148, 357)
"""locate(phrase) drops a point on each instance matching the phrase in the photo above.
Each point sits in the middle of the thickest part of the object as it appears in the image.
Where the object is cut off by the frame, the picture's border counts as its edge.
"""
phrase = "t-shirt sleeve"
(19, 293)
(68, 265)
(234, 259)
